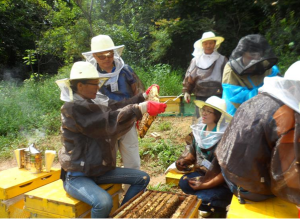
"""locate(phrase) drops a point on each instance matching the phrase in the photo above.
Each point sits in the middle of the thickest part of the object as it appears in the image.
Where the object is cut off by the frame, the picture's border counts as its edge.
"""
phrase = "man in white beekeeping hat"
(122, 83)
(91, 126)
(203, 77)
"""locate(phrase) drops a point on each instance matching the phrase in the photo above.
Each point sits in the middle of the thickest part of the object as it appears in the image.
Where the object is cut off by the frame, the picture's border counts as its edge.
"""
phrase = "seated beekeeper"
(91, 125)
(250, 62)
(199, 152)
(259, 153)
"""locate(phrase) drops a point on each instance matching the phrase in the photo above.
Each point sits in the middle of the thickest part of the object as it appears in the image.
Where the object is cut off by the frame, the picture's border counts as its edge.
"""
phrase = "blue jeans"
(218, 197)
(87, 190)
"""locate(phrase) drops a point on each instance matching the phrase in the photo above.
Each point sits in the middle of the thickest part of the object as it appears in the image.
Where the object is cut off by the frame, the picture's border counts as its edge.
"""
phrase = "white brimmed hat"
(80, 70)
(214, 102)
(102, 43)
(208, 36)
(83, 70)
(293, 72)
(218, 104)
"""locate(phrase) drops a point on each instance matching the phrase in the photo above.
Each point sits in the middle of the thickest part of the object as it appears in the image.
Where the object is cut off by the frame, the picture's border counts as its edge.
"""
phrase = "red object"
(137, 125)
(149, 88)
(154, 108)
(298, 207)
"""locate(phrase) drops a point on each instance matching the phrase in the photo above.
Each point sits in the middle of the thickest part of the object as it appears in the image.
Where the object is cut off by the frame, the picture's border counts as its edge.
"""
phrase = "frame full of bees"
(157, 204)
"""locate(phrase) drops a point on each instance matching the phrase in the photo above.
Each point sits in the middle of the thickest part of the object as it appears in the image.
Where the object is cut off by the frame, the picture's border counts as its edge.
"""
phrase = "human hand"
(196, 183)
(154, 108)
(149, 88)
(187, 97)
(183, 164)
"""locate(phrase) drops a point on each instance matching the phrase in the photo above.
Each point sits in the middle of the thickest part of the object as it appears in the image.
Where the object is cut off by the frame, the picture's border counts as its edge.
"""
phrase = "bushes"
(29, 108)
(170, 81)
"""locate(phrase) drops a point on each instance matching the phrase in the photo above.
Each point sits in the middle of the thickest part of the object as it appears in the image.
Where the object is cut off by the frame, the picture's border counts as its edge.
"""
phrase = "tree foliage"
(56, 32)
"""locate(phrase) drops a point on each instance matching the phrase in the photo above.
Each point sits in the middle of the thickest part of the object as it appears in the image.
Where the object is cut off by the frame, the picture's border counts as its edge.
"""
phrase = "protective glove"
(187, 97)
(152, 107)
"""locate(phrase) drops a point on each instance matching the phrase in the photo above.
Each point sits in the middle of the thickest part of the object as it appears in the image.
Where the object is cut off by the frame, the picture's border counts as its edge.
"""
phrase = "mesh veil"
(258, 48)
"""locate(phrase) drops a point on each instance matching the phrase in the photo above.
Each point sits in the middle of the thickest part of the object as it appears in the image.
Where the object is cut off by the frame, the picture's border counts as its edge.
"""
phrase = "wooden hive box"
(14, 183)
(172, 178)
(157, 204)
(52, 201)
(173, 107)
(270, 208)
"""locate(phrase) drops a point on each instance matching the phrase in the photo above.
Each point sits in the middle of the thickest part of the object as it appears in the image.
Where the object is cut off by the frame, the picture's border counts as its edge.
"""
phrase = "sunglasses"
(104, 56)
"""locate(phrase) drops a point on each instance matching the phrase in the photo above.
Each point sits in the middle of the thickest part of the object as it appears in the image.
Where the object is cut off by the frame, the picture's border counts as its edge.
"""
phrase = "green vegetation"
(164, 126)
(164, 150)
(162, 187)
(170, 81)
(45, 35)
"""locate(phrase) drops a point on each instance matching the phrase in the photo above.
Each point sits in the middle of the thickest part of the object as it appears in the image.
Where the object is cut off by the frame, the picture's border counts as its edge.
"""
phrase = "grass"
(162, 187)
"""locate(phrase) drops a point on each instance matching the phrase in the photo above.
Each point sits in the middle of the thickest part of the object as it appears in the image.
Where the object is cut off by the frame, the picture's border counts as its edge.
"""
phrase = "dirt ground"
(180, 127)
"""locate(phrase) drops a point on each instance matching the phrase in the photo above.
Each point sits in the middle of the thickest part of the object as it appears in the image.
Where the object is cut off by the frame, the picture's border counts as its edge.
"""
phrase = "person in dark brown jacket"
(91, 125)
(259, 153)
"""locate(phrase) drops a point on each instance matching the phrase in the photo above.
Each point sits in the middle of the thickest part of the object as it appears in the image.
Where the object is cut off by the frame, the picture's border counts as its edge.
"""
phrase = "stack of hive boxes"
(14, 183)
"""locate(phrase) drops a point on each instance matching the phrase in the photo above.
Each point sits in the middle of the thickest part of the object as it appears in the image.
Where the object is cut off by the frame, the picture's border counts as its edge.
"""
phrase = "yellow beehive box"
(173, 178)
(173, 104)
(13, 208)
(270, 208)
(17, 181)
(52, 201)
(14, 183)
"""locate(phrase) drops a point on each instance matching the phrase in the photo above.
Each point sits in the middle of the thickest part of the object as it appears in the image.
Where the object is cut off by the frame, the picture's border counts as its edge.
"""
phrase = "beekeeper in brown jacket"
(259, 153)
(91, 125)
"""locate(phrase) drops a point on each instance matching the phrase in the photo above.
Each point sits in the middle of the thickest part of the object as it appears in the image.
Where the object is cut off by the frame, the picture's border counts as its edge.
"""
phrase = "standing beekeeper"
(122, 84)
(91, 125)
(203, 77)
(250, 62)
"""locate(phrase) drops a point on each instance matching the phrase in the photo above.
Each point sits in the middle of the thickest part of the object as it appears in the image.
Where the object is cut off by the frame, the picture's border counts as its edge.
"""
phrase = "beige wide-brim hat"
(83, 71)
(208, 36)
(102, 43)
(80, 71)
(214, 102)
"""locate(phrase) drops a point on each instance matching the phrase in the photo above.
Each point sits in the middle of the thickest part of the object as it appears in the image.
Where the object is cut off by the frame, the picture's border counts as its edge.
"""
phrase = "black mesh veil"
(253, 55)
